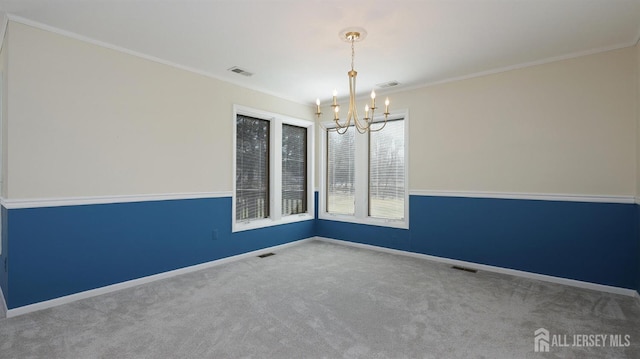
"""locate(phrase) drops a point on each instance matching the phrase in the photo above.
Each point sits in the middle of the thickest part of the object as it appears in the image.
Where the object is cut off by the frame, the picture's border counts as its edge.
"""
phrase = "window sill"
(381, 222)
(268, 222)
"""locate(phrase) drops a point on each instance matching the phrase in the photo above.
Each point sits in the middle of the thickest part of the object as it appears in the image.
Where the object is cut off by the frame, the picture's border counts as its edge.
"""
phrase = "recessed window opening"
(365, 175)
(273, 169)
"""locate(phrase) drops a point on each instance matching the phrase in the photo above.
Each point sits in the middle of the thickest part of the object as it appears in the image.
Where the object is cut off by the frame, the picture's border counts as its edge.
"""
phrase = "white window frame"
(275, 170)
(361, 178)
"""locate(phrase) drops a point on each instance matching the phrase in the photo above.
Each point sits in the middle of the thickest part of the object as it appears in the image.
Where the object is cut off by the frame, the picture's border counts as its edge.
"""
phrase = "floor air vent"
(465, 269)
(266, 255)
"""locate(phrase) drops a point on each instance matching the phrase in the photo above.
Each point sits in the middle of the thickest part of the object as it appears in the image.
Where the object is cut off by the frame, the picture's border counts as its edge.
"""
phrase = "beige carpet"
(323, 300)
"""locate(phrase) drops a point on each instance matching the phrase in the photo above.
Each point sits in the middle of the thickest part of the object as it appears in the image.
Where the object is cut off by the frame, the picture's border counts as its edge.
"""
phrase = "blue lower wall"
(4, 274)
(57, 251)
(638, 237)
(593, 242)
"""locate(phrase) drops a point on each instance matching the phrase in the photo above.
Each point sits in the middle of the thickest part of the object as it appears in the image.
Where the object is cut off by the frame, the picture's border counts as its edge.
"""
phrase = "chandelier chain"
(353, 54)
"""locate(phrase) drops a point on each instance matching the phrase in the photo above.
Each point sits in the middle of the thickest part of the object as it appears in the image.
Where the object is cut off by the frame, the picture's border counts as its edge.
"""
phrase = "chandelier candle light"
(365, 125)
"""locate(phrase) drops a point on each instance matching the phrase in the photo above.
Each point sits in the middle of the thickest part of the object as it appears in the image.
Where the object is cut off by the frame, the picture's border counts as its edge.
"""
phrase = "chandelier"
(366, 124)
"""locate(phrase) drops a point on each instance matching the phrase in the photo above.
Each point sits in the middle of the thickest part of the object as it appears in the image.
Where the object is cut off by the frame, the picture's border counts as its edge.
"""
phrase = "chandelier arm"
(362, 130)
(338, 125)
(342, 131)
(332, 129)
(347, 121)
(381, 127)
(362, 127)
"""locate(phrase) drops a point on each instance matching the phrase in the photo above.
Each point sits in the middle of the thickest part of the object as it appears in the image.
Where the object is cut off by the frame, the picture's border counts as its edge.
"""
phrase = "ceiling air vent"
(240, 71)
(385, 85)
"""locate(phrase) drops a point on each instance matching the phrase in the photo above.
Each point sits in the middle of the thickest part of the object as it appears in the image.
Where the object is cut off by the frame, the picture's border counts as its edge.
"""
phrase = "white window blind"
(294, 169)
(341, 172)
(387, 172)
(252, 168)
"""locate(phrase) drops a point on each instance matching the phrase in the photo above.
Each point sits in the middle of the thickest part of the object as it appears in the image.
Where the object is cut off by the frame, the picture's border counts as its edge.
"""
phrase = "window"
(386, 171)
(252, 168)
(294, 170)
(340, 172)
(273, 168)
(365, 175)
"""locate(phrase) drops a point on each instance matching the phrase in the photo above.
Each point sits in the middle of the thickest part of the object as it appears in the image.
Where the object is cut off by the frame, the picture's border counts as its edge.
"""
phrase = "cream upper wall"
(89, 121)
(3, 128)
(637, 92)
(567, 127)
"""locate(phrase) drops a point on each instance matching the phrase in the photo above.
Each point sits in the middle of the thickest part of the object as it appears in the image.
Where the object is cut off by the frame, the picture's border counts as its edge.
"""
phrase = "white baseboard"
(488, 268)
(136, 282)
(3, 305)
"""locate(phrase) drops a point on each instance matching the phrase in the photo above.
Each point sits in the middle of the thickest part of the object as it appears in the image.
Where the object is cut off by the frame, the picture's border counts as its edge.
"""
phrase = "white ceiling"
(294, 50)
